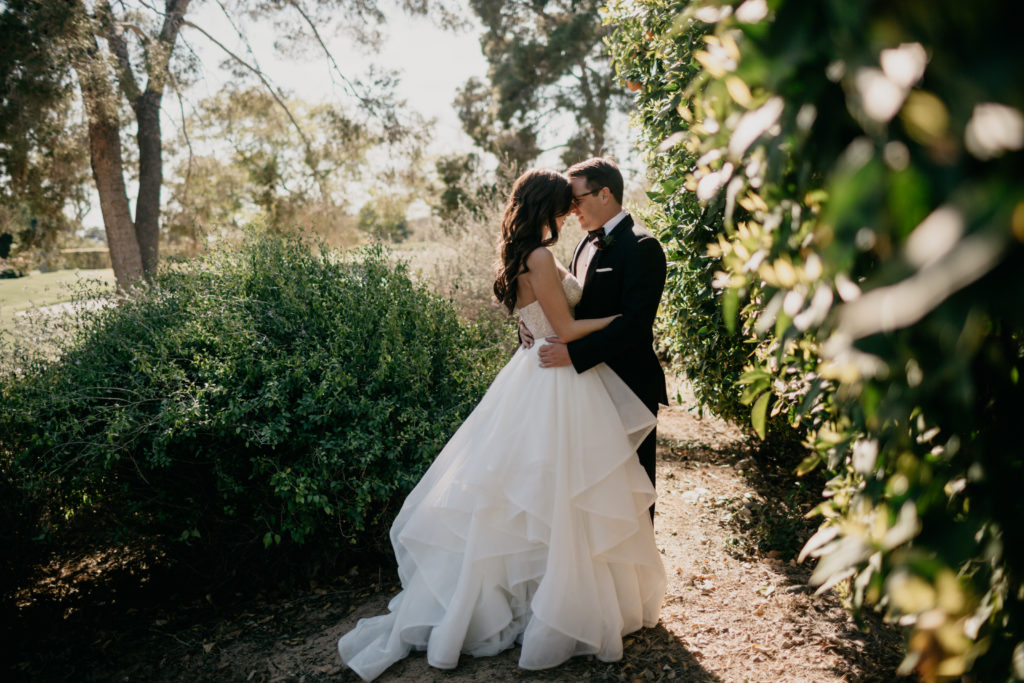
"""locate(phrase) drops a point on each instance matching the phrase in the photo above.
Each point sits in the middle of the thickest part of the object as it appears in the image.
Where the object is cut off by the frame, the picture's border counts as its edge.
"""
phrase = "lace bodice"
(533, 315)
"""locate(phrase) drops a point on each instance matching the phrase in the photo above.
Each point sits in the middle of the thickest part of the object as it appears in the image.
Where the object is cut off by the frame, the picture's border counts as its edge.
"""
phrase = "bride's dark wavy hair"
(539, 197)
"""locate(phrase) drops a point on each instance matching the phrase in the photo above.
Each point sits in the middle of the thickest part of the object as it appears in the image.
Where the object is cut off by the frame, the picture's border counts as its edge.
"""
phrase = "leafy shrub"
(17, 527)
(264, 395)
(650, 50)
(855, 169)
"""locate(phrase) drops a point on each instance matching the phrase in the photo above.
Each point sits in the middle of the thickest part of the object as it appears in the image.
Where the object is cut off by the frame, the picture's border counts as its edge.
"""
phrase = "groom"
(622, 268)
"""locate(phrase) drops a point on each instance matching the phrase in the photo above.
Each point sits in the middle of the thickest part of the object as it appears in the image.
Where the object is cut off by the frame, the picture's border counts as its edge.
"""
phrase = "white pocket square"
(603, 270)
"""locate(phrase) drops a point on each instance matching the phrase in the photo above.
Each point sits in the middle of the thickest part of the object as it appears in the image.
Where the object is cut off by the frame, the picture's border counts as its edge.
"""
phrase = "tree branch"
(238, 32)
(263, 79)
(554, 147)
(119, 48)
(184, 132)
(377, 107)
(158, 66)
(176, 10)
(330, 57)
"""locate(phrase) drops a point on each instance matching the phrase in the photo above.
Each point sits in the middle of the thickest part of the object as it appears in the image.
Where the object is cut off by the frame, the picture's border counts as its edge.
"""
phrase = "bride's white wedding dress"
(531, 526)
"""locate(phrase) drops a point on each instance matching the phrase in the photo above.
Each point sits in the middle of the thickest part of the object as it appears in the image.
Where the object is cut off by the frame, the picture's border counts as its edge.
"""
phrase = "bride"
(532, 524)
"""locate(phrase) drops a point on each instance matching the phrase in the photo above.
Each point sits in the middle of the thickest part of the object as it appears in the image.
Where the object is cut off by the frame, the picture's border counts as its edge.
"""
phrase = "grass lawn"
(45, 289)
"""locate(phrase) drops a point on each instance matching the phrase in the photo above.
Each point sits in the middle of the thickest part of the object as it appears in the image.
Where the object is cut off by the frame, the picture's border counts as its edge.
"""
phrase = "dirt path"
(729, 614)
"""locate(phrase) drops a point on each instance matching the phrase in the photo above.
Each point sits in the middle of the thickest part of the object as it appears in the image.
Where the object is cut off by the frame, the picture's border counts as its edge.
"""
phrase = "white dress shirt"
(590, 248)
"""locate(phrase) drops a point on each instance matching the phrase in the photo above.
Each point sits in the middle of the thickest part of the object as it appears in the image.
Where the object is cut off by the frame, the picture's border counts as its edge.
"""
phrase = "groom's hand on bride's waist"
(554, 354)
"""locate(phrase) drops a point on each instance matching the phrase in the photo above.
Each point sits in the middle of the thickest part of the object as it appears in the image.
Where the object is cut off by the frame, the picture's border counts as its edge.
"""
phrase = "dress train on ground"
(530, 527)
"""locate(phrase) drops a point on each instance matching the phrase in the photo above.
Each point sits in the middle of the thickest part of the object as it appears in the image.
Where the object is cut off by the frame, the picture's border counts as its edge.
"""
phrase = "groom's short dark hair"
(599, 172)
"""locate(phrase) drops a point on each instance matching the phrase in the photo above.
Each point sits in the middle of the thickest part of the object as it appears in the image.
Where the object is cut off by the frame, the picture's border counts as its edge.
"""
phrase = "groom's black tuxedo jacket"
(626, 277)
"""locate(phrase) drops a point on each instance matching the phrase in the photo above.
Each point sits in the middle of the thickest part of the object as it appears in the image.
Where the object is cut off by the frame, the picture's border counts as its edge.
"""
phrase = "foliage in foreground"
(854, 172)
(265, 395)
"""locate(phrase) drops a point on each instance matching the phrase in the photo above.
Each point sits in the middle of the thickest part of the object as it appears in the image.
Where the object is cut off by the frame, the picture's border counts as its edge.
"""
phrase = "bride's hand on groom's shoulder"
(554, 354)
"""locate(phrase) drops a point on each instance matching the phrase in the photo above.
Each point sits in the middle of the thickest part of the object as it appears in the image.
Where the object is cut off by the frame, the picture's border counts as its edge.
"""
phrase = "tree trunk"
(595, 107)
(100, 100)
(147, 115)
(147, 206)
(107, 170)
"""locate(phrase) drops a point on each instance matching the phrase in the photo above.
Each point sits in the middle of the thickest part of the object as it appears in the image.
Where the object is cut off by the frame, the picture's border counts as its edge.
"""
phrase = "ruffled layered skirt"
(530, 527)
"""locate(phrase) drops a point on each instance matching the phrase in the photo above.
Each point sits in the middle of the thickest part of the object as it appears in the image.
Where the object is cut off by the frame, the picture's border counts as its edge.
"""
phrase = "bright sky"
(432, 64)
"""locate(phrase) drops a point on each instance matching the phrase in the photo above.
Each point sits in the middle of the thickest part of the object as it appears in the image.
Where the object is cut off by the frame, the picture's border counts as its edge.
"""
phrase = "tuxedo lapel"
(596, 289)
(576, 258)
(610, 255)
(590, 268)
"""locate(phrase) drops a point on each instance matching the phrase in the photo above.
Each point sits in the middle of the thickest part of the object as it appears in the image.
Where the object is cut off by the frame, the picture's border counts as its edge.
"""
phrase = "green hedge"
(693, 333)
(261, 398)
(853, 171)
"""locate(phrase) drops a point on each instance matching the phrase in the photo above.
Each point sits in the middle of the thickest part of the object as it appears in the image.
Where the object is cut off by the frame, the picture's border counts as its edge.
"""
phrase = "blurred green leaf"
(758, 414)
(730, 307)
(808, 464)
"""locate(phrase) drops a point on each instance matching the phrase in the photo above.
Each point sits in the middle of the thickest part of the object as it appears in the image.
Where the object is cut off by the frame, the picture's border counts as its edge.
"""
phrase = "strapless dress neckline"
(567, 277)
(532, 314)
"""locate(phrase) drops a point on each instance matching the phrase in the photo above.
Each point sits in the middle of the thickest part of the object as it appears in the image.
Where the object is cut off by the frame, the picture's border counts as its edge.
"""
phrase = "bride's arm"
(546, 282)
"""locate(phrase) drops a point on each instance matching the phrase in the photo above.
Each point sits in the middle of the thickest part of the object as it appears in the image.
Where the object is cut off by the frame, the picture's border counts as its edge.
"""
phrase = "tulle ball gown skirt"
(530, 527)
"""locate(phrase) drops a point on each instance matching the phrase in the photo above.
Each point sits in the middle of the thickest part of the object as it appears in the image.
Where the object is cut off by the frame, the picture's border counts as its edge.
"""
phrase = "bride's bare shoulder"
(539, 258)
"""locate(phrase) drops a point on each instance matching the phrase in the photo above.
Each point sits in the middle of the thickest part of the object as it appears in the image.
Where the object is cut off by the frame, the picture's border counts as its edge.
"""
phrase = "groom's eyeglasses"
(577, 197)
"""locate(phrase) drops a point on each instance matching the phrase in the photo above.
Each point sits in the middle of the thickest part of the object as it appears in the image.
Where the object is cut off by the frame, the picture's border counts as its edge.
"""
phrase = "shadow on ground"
(764, 525)
(115, 616)
(653, 654)
(729, 521)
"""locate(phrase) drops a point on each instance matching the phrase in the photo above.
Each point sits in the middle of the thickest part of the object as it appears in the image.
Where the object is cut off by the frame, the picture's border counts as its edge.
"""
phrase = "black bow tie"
(596, 235)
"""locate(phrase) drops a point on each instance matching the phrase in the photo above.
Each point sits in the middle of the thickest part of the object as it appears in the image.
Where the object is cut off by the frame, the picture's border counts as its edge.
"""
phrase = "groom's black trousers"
(646, 454)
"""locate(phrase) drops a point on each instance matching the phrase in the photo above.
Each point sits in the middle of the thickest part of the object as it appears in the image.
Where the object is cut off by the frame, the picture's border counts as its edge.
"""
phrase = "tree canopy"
(43, 162)
(121, 58)
(548, 70)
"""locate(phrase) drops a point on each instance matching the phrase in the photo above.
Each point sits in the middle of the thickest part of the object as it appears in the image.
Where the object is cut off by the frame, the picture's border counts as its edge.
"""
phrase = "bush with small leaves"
(273, 396)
